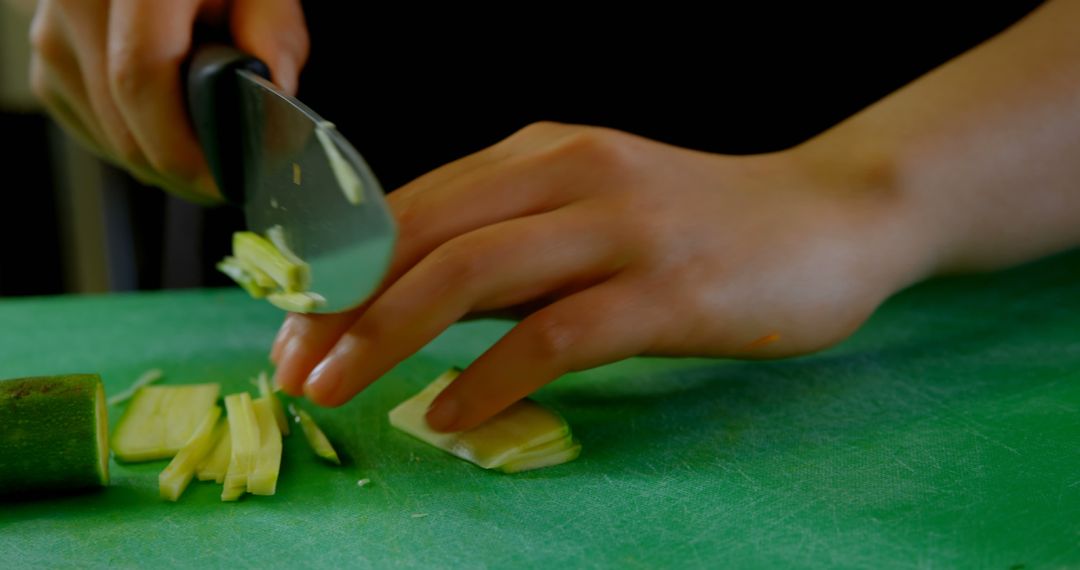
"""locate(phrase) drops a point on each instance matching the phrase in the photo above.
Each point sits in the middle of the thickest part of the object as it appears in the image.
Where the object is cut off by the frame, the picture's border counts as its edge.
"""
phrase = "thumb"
(275, 32)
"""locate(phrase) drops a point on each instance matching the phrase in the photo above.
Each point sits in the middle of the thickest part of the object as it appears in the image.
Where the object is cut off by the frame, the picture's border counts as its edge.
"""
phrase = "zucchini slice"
(347, 179)
(264, 473)
(161, 419)
(525, 431)
(268, 268)
(265, 391)
(216, 463)
(244, 431)
(256, 250)
(530, 462)
(315, 436)
(245, 276)
(176, 477)
(296, 302)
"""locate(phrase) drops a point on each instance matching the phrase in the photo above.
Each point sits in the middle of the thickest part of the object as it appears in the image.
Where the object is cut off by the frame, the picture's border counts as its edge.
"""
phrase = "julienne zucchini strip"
(244, 430)
(266, 267)
(243, 451)
(176, 477)
(314, 435)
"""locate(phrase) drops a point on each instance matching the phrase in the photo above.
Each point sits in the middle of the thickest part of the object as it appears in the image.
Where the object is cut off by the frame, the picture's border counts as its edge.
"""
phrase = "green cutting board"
(945, 434)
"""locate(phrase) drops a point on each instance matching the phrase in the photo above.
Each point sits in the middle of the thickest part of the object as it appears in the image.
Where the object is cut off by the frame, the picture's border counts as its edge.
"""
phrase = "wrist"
(897, 241)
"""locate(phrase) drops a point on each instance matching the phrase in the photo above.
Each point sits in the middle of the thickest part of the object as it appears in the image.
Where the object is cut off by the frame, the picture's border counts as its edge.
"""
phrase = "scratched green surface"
(945, 434)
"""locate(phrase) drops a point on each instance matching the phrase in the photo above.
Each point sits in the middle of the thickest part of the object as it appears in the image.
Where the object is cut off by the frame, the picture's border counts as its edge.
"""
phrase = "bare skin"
(109, 72)
(632, 247)
(609, 245)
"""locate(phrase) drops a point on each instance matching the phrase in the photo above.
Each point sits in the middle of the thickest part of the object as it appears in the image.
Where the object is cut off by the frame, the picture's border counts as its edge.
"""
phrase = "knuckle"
(407, 215)
(460, 262)
(600, 152)
(373, 328)
(553, 336)
(129, 70)
(124, 74)
(599, 147)
(527, 135)
(45, 40)
(537, 128)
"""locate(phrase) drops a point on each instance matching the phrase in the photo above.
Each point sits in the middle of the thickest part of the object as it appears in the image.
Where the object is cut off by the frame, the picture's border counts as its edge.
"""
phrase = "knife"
(287, 167)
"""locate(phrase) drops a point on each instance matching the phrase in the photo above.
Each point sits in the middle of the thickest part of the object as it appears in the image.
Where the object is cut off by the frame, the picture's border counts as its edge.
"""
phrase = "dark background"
(414, 89)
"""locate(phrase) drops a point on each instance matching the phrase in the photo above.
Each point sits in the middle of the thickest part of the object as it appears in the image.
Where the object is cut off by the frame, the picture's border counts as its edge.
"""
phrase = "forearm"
(980, 159)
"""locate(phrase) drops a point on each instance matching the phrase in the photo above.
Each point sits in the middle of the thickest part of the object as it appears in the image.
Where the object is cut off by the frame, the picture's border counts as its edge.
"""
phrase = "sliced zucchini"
(216, 463)
(256, 250)
(161, 419)
(346, 176)
(244, 431)
(543, 450)
(315, 436)
(53, 434)
(524, 430)
(258, 275)
(265, 391)
(529, 463)
(237, 271)
(264, 473)
(276, 235)
(296, 302)
(269, 269)
(145, 379)
(175, 478)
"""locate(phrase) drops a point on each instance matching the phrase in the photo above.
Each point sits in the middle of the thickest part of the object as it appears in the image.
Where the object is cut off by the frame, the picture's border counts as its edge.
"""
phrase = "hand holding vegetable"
(612, 245)
(622, 246)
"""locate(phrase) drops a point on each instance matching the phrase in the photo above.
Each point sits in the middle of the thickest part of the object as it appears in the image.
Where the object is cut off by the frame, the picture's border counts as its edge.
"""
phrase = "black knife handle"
(213, 98)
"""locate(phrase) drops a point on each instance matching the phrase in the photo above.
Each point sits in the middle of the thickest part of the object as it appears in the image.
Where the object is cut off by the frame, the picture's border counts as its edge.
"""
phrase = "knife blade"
(289, 168)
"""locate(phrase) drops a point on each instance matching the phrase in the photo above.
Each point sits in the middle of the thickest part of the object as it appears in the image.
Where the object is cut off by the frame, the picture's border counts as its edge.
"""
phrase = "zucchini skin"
(53, 434)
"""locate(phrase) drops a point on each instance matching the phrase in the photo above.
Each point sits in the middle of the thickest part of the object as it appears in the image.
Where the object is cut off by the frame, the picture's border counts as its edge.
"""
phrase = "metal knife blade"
(298, 172)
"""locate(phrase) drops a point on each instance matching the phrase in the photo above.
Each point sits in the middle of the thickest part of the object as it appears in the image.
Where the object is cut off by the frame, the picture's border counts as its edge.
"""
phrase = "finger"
(56, 79)
(494, 185)
(69, 120)
(148, 41)
(498, 266)
(275, 32)
(603, 324)
(295, 366)
(88, 31)
(518, 144)
(288, 327)
(293, 374)
(306, 340)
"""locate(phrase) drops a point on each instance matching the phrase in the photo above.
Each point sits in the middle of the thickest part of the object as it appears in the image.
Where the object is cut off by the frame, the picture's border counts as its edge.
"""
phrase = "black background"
(414, 88)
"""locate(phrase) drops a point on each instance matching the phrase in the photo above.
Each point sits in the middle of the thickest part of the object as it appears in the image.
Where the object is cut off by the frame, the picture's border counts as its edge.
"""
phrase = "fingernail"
(442, 414)
(322, 382)
(281, 340)
(284, 372)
